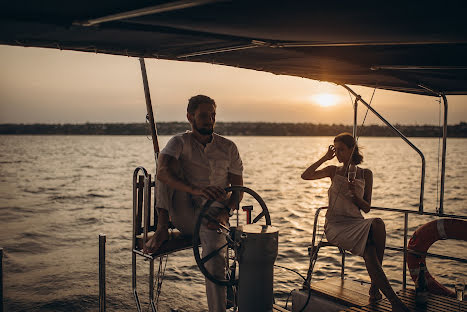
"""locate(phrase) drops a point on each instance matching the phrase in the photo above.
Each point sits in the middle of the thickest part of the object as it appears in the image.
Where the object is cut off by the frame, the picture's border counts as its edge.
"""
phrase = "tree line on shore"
(231, 128)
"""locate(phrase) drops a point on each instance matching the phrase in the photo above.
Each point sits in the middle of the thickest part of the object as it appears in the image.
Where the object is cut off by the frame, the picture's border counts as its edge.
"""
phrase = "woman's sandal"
(375, 295)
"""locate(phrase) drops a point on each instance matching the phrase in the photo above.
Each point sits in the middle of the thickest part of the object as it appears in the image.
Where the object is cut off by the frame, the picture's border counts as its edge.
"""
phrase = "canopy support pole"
(355, 108)
(443, 161)
(440, 210)
(402, 136)
(150, 115)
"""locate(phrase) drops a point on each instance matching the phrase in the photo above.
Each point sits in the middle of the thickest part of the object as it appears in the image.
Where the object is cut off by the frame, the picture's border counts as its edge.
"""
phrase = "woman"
(345, 225)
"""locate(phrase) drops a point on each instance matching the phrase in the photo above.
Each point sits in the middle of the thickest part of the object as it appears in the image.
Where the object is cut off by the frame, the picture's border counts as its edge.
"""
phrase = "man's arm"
(166, 173)
(236, 197)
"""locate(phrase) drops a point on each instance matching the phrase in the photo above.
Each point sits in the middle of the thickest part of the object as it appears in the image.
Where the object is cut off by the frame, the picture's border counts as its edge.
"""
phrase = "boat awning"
(406, 46)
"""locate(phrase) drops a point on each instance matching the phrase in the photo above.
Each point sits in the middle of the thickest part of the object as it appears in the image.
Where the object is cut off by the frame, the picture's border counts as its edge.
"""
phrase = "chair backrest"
(144, 214)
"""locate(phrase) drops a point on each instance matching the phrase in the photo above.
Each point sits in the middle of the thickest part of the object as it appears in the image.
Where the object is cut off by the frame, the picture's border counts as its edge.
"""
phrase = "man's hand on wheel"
(222, 217)
(211, 192)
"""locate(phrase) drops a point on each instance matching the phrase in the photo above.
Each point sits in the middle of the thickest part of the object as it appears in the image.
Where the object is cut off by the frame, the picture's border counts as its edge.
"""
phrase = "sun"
(325, 99)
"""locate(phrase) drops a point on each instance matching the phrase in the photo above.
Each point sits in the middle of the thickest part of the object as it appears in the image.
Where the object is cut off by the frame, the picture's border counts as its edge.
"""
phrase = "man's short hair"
(194, 102)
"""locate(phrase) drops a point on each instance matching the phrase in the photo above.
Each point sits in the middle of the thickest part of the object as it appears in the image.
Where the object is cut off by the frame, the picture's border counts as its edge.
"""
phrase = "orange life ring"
(423, 238)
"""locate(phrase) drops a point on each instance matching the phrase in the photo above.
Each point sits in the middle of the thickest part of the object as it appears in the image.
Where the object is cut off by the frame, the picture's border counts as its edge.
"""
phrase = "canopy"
(410, 46)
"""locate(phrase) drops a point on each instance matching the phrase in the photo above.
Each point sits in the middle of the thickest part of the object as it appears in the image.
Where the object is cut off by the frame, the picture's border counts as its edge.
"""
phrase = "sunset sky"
(53, 86)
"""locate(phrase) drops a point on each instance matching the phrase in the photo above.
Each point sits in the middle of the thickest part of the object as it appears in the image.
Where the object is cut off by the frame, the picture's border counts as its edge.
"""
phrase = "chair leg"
(151, 285)
(133, 281)
(343, 262)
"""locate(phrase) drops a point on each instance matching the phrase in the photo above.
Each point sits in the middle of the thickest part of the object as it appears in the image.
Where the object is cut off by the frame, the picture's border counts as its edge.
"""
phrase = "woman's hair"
(349, 141)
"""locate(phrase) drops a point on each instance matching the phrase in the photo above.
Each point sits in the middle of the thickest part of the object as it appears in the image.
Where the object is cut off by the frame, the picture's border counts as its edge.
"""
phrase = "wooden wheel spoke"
(212, 254)
(258, 217)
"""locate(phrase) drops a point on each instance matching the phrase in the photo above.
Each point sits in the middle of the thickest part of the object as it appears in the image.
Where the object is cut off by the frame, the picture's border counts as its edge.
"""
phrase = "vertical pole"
(1, 279)
(343, 264)
(404, 268)
(443, 161)
(146, 207)
(151, 280)
(150, 115)
(355, 107)
(403, 137)
(101, 272)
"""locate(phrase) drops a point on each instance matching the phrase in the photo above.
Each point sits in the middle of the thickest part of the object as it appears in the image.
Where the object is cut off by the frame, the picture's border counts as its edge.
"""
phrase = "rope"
(160, 277)
(148, 129)
(288, 297)
(282, 267)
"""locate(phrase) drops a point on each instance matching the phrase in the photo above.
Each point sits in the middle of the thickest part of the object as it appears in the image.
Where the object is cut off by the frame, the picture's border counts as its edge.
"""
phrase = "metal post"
(1, 279)
(146, 207)
(343, 263)
(135, 232)
(150, 115)
(355, 107)
(151, 283)
(404, 268)
(443, 161)
(403, 137)
(101, 272)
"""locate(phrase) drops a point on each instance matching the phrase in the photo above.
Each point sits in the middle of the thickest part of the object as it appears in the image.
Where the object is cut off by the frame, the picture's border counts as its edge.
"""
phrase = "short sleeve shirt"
(205, 165)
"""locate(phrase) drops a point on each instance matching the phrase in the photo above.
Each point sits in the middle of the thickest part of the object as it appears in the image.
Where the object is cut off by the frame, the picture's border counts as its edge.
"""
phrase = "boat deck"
(435, 304)
(276, 308)
(344, 291)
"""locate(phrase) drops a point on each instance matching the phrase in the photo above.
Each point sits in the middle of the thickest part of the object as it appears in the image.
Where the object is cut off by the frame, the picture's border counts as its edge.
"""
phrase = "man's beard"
(203, 131)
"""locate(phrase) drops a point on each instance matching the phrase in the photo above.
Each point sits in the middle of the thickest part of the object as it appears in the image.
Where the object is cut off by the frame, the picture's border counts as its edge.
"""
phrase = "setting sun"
(325, 99)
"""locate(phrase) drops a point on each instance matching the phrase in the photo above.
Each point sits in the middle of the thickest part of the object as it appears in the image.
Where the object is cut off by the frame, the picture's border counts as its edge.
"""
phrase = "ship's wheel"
(229, 233)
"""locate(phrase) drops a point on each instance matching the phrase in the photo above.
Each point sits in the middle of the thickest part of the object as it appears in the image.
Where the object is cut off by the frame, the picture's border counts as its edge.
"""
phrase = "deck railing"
(313, 252)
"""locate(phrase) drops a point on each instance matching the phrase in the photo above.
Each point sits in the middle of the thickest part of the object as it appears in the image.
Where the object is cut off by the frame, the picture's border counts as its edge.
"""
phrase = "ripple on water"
(75, 204)
(87, 221)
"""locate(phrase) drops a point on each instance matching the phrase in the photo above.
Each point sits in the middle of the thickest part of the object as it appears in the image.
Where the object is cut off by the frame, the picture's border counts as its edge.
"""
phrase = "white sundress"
(345, 226)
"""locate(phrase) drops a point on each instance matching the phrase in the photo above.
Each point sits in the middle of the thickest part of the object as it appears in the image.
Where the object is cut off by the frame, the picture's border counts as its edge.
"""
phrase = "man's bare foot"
(155, 242)
(375, 295)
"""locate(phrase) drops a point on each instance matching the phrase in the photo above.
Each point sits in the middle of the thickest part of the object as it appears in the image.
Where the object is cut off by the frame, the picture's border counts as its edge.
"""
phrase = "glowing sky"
(53, 86)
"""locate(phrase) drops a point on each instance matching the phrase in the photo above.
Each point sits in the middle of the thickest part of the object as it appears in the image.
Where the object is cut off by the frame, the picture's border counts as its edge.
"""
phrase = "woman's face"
(343, 152)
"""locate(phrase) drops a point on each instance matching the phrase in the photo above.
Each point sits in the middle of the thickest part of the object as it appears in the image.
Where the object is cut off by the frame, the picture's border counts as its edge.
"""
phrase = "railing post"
(1, 279)
(102, 272)
(402, 136)
(404, 269)
(443, 161)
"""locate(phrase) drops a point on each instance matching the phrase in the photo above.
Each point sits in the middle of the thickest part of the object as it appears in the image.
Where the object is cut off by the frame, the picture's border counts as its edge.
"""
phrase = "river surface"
(57, 193)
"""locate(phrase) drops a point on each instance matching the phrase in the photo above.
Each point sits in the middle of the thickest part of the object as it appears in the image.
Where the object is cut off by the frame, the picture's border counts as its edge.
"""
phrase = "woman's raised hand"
(331, 153)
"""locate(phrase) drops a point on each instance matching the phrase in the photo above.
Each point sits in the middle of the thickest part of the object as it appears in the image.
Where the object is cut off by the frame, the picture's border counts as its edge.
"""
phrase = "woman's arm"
(312, 174)
(365, 202)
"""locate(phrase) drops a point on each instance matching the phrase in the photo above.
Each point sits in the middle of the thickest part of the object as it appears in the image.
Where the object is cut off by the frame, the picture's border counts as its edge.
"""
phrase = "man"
(193, 167)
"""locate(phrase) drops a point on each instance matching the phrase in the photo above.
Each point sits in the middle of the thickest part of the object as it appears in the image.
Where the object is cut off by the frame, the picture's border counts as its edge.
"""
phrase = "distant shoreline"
(230, 128)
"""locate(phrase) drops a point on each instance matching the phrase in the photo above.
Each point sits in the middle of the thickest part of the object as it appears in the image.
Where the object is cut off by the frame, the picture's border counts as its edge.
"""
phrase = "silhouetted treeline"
(231, 128)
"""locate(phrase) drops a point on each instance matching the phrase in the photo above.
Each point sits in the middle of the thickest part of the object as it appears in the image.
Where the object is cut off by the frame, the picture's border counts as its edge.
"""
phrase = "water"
(59, 192)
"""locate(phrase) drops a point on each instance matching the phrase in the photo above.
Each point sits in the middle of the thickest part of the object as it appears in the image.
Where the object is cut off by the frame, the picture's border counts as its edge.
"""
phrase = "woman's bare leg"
(377, 236)
(378, 278)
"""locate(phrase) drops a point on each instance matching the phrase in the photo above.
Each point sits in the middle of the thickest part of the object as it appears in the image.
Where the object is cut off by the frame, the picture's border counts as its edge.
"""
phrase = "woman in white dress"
(345, 226)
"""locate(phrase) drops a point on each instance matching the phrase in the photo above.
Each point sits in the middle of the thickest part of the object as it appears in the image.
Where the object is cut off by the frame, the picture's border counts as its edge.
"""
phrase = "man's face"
(203, 119)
